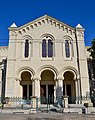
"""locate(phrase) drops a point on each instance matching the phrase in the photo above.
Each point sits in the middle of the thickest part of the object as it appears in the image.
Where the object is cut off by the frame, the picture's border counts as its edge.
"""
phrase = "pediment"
(40, 21)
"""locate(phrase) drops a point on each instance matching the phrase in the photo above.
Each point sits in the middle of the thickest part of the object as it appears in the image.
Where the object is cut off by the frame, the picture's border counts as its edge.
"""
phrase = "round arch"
(67, 37)
(48, 67)
(27, 37)
(48, 35)
(70, 69)
(25, 69)
(70, 76)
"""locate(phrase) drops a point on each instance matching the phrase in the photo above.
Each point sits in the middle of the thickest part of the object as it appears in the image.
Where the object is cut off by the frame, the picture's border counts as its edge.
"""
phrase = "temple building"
(46, 58)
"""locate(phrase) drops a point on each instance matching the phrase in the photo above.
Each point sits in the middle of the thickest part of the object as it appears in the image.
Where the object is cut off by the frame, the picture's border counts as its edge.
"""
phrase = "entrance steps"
(80, 109)
(76, 106)
(49, 108)
(72, 108)
(90, 110)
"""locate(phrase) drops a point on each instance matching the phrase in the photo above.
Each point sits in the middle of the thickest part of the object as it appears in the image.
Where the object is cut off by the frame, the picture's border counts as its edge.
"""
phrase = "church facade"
(45, 58)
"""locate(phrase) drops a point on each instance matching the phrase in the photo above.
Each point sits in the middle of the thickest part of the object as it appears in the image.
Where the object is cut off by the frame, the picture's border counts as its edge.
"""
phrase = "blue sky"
(71, 12)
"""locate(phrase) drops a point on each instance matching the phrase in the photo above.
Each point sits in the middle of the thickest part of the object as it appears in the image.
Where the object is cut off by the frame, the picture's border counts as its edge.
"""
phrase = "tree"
(92, 70)
(92, 49)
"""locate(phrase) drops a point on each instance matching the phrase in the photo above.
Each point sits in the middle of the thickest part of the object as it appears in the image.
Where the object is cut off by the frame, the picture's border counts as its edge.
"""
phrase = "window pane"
(44, 48)
(26, 48)
(50, 48)
(67, 48)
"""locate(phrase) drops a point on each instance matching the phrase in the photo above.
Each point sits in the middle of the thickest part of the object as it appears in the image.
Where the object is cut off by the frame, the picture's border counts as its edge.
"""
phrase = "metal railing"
(43, 103)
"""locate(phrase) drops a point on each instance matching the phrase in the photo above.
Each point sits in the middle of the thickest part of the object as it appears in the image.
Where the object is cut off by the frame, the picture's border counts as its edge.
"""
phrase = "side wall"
(3, 55)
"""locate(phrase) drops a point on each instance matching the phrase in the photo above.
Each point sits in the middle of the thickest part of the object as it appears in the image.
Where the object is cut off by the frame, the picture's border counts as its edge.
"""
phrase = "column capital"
(17, 79)
(36, 78)
(60, 78)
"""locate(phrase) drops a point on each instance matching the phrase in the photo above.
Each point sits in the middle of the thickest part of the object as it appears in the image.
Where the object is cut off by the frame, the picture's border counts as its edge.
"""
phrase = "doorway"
(26, 84)
(27, 91)
(69, 87)
(43, 94)
(47, 87)
(51, 94)
(47, 94)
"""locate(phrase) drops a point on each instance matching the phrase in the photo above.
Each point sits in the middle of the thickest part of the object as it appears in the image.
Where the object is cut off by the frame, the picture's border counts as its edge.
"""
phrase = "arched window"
(44, 52)
(67, 48)
(47, 47)
(50, 48)
(26, 53)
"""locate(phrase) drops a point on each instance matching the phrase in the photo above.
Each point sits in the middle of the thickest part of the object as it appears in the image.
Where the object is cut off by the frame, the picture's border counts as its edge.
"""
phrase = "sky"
(70, 12)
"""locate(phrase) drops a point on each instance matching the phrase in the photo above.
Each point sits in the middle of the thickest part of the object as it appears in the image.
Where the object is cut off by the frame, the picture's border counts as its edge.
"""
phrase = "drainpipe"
(78, 64)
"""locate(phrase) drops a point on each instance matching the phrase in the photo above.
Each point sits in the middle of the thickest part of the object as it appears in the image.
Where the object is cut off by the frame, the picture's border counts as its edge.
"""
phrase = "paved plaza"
(46, 116)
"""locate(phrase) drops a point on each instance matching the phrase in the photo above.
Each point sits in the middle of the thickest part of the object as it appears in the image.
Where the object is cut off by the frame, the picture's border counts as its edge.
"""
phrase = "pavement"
(47, 116)
(26, 114)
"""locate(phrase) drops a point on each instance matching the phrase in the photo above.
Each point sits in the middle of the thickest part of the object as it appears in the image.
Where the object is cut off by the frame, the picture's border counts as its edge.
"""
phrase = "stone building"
(45, 57)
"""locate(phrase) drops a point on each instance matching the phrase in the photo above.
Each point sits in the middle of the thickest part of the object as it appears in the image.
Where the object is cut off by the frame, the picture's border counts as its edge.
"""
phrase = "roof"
(40, 19)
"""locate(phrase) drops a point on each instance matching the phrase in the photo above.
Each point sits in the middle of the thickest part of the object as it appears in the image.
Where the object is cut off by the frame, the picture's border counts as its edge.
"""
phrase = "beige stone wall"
(3, 52)
(35, 64)
(3, 55)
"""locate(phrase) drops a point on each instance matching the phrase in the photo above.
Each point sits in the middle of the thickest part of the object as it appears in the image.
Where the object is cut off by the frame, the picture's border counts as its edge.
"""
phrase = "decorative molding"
(13, 33)
(36, 78)
(44, 20)
(60, 78)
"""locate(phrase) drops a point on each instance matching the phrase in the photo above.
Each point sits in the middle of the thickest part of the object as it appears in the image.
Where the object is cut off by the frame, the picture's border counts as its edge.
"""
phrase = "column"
(36, 90)
(28, 92)
(59, 87)
(76, 87)
(36, 87)
(54, 94)
(65, 89)
(47, 91)
(78, 96)
(79, 91)
(33, 87)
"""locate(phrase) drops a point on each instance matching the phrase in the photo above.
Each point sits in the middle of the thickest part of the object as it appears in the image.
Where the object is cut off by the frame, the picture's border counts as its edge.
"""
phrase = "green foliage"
(92, 49)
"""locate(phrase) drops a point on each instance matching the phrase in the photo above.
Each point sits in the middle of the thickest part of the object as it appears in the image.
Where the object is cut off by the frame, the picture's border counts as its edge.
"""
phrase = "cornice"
(3, 48)
(43, 20)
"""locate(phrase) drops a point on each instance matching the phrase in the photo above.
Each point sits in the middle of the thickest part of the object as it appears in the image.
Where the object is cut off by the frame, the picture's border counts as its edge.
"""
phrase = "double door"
(27, 91)
(47, 94)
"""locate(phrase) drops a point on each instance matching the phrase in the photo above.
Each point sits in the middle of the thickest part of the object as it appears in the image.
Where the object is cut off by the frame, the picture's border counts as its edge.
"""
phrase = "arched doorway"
(69, 86)
(26, 84)
(47, 87)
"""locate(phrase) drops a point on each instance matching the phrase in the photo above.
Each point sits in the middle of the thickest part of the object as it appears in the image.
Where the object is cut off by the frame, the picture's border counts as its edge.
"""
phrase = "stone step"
(73, 110)
(76, 106)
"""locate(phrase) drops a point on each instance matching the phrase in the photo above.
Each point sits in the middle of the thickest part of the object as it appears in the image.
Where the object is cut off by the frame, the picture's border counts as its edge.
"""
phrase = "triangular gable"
(43, 20)
(45, 17)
